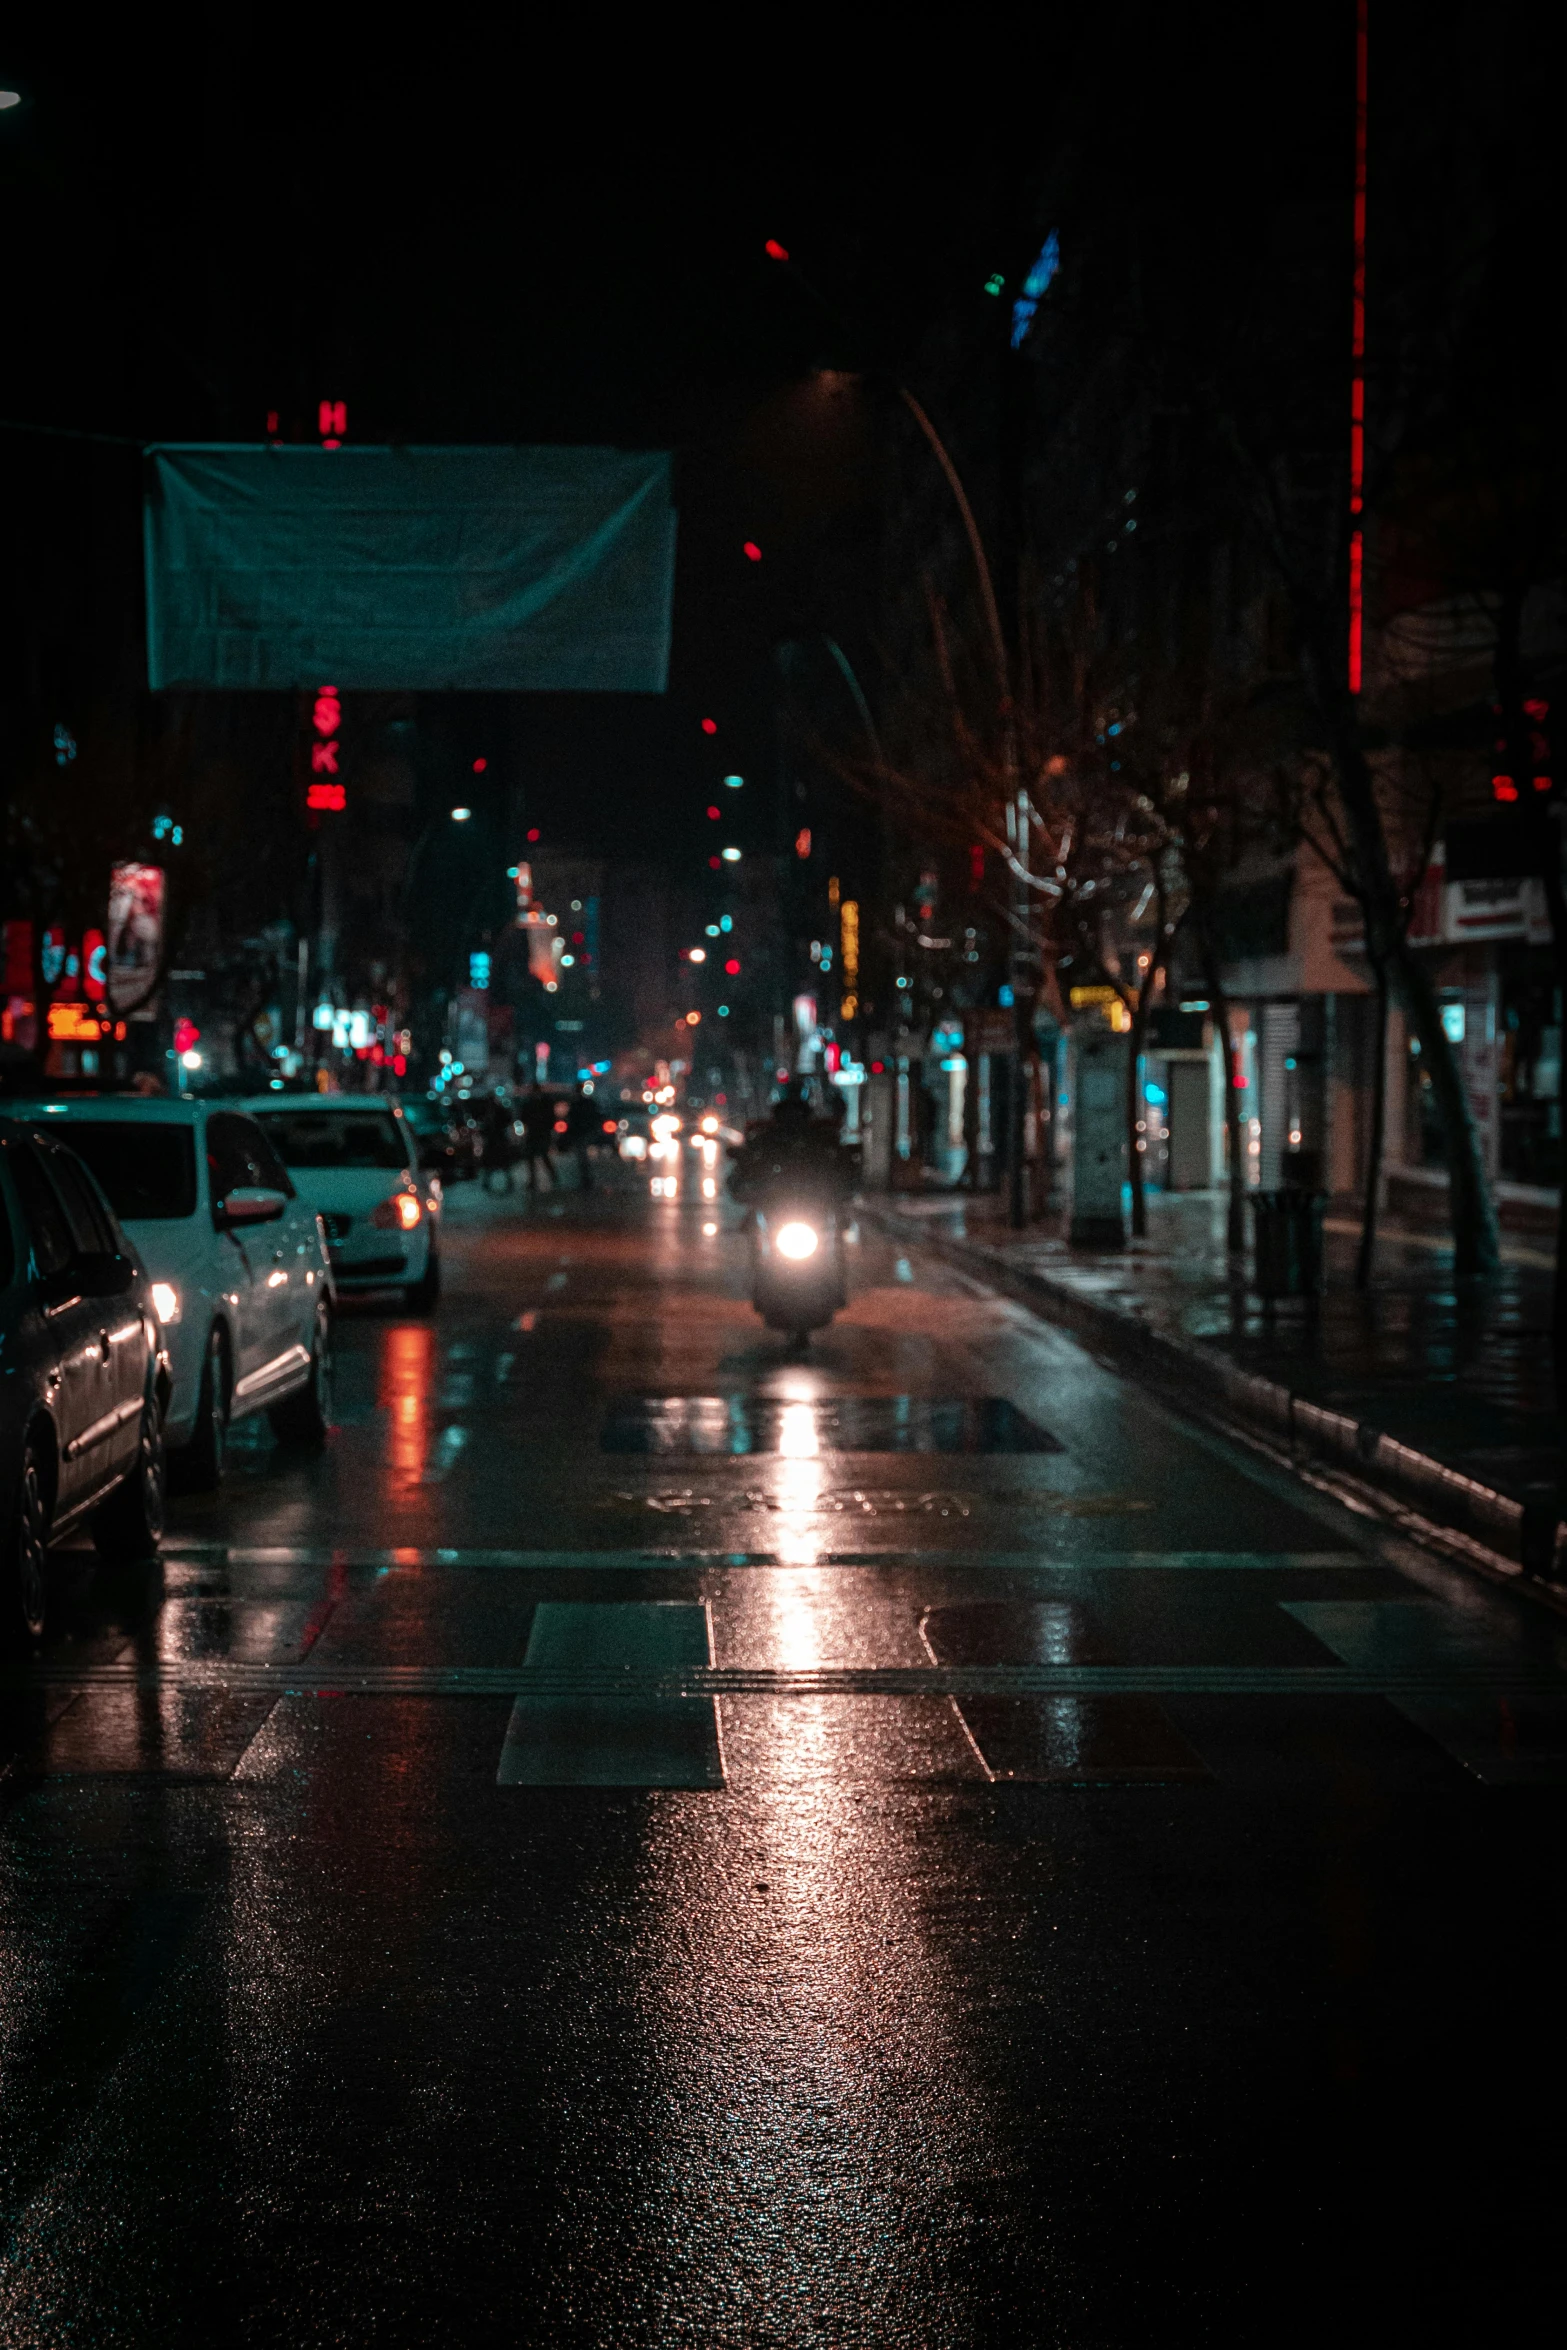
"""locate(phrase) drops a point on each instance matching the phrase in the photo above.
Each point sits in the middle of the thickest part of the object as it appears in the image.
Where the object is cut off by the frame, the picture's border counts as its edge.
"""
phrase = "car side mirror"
(247, 1204)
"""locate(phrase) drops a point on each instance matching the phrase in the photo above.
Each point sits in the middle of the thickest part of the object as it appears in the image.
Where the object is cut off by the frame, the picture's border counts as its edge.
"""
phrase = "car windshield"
(334, 1138)
(147, 1168)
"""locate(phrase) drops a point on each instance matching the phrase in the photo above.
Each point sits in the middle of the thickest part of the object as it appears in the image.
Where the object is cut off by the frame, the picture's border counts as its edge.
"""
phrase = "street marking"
(743, 1425)
(1059, 1739)
(591, 1561)
(594, 1711)
(610, 1680)
(870, 1502)
(1497, 1708)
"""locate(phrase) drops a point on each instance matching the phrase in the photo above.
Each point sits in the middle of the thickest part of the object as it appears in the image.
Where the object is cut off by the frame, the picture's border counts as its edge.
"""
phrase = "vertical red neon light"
(1357, 387)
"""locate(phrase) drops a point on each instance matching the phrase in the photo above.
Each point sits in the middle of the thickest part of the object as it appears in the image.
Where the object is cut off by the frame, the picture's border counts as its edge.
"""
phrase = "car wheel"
(128, 1527)
(26, 1559)
(201, 1462)
(423, 1293)
(301, 1418)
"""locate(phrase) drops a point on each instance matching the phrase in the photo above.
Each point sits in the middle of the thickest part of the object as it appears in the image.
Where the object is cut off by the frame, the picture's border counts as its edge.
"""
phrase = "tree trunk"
(1475, 1239)
(1469, 1196)
(1235, 1223)
(1556, 900)
(1368, 1223)
(1518, 732)
(1134, 1156)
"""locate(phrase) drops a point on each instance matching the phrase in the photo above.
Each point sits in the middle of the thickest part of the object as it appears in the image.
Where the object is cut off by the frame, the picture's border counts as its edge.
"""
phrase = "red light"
(710, 726)
(333, 415)
(976, 867)
(878, 1068)
(186, 1035)
(326, 795)
(534, 834)
(775, 251)
(713, 813)
(1504, 787)
(753, 552)
(802, 841)
(480, 765)
(271, 420)
(1542, 783)
(716, 863)
(732, 969)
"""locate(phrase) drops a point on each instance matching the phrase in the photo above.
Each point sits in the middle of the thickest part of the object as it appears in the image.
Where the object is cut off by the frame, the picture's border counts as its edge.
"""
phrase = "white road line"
(863, 1554)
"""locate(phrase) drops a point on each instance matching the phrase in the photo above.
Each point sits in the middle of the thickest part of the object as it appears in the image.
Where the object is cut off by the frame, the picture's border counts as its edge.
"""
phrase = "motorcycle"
(798, 1276)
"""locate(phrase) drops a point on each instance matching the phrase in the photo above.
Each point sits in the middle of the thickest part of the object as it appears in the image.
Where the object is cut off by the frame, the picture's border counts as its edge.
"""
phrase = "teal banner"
(538, 570)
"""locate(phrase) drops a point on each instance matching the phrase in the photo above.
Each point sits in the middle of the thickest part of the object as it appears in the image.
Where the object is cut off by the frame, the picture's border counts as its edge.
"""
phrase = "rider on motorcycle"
(793, 1159)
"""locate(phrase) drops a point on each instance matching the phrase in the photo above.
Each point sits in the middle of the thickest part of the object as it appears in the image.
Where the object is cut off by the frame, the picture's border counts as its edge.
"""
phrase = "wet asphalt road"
(1081, 1888)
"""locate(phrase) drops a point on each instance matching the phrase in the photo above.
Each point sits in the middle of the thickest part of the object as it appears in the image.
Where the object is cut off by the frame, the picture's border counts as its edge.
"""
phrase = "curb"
(1529, 1539)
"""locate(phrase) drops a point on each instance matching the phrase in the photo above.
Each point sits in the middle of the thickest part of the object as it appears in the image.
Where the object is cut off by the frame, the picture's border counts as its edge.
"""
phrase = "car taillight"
(400, 1213)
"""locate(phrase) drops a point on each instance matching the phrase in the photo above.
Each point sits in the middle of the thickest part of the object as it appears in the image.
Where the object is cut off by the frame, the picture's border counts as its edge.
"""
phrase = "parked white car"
(241, 1280)
(355, 1160)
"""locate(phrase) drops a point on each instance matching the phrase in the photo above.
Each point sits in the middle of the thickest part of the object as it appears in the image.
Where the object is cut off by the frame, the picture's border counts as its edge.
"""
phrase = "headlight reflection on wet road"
(817, 2126)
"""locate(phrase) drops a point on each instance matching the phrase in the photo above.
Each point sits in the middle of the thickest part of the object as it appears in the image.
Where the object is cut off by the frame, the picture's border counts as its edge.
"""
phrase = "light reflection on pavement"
(955, 2015)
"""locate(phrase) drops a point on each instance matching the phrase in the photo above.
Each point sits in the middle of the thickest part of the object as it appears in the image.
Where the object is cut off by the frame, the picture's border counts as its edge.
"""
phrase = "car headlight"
(165, 1302)
(400, 1213)
(796, 1241)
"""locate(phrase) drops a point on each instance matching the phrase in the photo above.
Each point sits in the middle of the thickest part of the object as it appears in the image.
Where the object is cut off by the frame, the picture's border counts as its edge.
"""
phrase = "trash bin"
(1287, 1227)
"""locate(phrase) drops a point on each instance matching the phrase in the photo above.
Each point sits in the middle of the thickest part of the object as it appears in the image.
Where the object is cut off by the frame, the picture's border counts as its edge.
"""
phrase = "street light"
(461, 815)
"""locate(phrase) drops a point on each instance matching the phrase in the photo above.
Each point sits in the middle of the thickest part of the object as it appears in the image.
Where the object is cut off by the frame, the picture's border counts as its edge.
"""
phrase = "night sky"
(504, 234)
(498, 237)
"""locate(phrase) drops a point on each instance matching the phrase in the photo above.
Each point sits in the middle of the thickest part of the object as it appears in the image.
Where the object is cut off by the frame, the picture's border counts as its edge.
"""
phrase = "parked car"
(86, 1377)
(448, 1142)
(355, 1160)
(237, 1259)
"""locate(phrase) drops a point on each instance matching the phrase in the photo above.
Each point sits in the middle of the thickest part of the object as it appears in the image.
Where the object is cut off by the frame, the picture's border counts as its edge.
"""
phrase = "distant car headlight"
(400, 1213)
(165, 1302)
(796, 1241)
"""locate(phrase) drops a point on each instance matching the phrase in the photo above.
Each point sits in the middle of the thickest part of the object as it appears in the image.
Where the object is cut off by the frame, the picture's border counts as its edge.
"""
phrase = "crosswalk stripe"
(1495, 1708)
(603, 1698)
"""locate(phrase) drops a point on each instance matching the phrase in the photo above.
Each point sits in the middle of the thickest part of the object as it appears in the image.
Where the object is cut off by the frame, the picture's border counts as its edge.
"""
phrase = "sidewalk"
(1442, 1394)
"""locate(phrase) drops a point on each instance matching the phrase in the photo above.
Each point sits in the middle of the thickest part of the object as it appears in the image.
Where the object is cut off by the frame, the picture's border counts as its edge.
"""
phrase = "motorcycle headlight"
(796, 1241)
